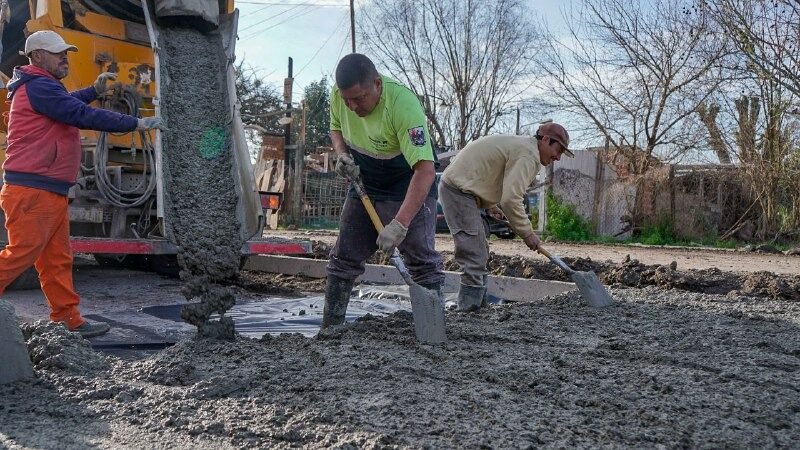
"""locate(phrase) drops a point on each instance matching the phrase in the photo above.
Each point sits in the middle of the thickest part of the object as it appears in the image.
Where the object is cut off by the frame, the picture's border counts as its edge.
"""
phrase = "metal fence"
(323, 198)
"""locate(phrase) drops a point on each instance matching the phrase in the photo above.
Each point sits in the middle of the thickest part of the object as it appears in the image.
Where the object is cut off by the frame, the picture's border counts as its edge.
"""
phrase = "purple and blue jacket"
(44, 142)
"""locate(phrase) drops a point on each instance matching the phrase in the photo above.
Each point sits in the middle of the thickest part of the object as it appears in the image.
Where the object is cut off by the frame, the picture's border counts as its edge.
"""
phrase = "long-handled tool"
(427, 308)
(589, 285)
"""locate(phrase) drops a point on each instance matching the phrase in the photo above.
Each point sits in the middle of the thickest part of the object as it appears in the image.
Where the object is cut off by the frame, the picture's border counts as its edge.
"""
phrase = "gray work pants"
(469, 235)
(357, 236)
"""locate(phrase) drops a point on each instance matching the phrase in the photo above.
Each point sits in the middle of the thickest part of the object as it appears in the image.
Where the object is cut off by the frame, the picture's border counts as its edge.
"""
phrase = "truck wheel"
(27, 281)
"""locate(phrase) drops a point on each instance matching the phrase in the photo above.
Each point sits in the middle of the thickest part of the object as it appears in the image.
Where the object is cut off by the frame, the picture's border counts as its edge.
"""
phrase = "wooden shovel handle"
(544, 252)
(362, 194)
(373, 215)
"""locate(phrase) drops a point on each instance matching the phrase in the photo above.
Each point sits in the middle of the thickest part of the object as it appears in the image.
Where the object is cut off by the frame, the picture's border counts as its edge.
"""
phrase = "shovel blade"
(592, 289)
(427, 309)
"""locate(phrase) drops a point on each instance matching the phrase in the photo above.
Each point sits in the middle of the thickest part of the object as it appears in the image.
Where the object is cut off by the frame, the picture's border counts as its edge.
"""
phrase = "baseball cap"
(46, 40)
(557, 132)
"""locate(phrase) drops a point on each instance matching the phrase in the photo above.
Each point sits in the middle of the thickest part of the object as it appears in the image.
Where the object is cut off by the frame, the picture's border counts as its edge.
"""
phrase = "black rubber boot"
(470, 298)
(337, 296)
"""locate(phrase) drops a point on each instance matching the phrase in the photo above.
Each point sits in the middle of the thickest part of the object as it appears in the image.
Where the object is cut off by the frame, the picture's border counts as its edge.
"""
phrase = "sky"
(315, 33)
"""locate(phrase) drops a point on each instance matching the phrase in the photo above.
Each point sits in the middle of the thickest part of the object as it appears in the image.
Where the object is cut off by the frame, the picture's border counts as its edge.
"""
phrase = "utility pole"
(353, 25)
(287, 98)
(303, 121)
(517, 133)
(289, 150)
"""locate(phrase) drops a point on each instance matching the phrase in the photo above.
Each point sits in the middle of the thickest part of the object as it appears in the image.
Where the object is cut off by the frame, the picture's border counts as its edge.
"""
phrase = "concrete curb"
(509, 288)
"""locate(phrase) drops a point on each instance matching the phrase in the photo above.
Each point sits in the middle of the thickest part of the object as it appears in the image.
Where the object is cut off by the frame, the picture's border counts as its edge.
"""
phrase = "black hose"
(116, 196)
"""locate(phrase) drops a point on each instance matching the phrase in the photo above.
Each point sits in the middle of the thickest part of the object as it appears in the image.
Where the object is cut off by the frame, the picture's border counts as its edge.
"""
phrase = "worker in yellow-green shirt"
(491, 171)
(380, 134)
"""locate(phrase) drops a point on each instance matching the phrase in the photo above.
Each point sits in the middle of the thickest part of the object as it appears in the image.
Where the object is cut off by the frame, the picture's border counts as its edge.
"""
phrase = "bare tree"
(468, 60)
(637, 73)
(764, 75)
(766, 33)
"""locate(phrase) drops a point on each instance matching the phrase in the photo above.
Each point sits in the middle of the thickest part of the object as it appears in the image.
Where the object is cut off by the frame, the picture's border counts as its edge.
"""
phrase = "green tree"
(318, 106)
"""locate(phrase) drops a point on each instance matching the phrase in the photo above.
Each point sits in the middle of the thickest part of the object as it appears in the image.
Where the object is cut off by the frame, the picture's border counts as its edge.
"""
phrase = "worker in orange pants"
(43, 156)
(37, 222)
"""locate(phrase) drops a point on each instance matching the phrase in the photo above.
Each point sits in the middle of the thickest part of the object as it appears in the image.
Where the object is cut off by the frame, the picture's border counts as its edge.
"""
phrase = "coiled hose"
(116, 196)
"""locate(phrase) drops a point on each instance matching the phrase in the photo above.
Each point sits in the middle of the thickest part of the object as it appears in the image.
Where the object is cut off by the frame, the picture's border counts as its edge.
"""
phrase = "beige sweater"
(497, 170)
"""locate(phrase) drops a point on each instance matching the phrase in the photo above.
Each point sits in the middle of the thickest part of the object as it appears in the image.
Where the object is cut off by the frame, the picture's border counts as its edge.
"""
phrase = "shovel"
(588, 284)
(427, 308)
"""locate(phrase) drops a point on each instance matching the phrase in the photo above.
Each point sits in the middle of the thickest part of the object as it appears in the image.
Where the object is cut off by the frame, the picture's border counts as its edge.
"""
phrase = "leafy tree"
(318, 106)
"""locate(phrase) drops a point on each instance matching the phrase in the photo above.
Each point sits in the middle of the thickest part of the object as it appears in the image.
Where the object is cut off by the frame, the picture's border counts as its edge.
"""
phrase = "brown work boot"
(88, 330)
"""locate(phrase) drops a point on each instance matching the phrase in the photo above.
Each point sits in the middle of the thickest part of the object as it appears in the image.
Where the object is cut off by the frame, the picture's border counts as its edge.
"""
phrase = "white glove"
(149, 123)
(347, 168)
(100, 84)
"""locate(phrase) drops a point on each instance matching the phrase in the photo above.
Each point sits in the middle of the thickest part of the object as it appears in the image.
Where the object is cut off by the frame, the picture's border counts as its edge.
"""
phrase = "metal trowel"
(427, 308)
(588, 284)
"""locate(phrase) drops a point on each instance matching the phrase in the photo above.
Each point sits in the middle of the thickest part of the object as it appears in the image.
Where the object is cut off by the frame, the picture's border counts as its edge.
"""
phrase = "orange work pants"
(37, 222)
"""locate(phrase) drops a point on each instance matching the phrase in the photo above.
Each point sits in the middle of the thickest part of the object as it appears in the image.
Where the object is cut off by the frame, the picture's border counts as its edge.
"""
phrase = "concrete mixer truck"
(117, 206)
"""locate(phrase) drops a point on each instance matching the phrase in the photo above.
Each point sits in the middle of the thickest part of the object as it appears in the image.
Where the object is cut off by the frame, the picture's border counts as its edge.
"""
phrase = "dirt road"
(686, 258)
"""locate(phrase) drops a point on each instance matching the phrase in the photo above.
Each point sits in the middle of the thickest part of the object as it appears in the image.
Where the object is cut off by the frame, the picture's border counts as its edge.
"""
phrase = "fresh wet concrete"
(660, 368)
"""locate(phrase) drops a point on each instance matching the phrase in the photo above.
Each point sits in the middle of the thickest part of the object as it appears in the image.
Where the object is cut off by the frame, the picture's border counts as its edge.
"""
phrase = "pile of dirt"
(661, 368)
(632, 273)
(279, 284)
(628, 273)
(198, 174)
(52, 347)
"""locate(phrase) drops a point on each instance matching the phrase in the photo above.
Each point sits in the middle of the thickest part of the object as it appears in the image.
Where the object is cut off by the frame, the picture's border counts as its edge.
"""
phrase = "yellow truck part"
(112, 35)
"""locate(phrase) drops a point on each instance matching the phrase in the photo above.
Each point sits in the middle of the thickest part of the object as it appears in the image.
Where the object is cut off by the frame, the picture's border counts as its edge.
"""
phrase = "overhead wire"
(252, 2)
(338, 26)
(301, 13)
(267, 19)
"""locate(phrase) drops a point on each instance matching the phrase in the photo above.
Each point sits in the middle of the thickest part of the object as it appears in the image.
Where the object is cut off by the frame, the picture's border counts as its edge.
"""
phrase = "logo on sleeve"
(417, 135)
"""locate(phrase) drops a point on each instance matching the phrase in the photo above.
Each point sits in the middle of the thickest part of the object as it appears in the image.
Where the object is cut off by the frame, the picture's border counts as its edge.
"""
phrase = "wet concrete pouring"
(664, 366)
(198, 171)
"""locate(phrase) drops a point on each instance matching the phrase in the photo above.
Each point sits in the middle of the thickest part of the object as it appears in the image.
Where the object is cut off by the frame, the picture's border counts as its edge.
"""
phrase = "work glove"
(149, 123)
(100, 84)
(532, 241)
(391, 236)
(347, 168)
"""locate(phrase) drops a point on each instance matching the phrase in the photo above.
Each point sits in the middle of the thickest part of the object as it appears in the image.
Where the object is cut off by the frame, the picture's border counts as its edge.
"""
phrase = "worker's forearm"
(514, 211)
(418, 189)
(338, 142)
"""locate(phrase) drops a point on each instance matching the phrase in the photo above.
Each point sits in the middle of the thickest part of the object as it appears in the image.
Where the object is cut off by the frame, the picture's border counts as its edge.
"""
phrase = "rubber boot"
(470, 298)
(337, 296)
(485, 300)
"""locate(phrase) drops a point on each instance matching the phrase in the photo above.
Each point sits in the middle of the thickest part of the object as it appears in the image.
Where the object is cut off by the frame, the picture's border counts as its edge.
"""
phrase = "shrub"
(564, 223)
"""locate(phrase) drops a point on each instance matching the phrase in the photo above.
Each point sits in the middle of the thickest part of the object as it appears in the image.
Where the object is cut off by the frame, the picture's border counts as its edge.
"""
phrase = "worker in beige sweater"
(491, 171)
